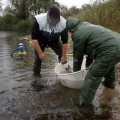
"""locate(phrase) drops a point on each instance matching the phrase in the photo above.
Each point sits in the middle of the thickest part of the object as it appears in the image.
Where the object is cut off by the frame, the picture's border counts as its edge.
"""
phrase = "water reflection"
(12, 33)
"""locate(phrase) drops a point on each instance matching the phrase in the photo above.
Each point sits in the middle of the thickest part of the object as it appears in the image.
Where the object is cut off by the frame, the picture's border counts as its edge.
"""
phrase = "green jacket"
(92, 40)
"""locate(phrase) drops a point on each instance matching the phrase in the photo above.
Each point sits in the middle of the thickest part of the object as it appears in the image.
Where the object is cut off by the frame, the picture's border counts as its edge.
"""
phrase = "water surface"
(22, 99)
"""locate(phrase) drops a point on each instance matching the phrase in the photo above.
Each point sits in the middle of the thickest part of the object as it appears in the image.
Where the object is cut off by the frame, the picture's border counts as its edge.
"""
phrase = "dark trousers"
(57, 48)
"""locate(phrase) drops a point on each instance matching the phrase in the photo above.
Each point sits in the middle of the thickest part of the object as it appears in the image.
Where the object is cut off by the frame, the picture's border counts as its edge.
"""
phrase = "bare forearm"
(64, 49)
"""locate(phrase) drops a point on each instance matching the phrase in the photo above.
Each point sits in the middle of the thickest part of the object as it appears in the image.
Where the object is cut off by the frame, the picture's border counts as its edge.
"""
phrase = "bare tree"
(0, 8)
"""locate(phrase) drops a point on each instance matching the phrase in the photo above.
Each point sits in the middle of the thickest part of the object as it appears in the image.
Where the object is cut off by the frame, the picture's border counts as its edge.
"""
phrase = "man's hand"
(42, 56)
(36, 45)
(63, 60)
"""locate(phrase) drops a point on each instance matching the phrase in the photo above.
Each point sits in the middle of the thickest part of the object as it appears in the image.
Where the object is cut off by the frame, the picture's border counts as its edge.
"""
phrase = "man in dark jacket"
(46, 31)
(100, 44)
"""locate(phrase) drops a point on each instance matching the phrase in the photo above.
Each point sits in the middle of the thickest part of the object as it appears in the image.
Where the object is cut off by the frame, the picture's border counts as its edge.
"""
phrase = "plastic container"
(71, 80)
(21, 47)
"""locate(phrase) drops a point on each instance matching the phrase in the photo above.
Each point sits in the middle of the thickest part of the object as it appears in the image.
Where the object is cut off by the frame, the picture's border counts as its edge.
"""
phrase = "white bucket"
(71, 80)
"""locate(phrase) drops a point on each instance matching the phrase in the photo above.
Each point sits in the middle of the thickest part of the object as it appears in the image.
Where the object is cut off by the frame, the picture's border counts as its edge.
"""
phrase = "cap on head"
(54, 14)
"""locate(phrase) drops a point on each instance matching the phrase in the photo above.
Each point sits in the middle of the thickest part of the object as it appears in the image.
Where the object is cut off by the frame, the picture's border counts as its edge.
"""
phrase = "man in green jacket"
(100, 44)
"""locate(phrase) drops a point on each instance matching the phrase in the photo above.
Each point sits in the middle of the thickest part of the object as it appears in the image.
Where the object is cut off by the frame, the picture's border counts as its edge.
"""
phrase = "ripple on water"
(51, 100)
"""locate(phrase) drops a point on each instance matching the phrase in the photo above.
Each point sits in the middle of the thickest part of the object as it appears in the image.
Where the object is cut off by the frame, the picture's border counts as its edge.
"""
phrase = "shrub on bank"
(105, 13)
(10, 23)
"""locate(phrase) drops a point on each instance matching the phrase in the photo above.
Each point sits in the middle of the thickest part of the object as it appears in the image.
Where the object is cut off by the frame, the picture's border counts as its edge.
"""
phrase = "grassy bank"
(105, 13)
(13, 24)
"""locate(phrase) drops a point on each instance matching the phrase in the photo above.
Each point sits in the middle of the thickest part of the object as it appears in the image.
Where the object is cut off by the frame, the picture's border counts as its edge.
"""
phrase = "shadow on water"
(25, 97)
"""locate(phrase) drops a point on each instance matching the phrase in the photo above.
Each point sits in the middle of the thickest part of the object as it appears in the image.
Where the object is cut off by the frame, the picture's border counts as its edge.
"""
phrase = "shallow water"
(22, 99)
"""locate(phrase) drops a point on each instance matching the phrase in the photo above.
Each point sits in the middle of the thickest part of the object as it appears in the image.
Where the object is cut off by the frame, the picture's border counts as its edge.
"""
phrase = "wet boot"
(37, 65)
(110, 80)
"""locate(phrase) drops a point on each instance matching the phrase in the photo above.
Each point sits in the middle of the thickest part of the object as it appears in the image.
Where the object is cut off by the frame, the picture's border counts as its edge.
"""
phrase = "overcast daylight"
(77, 3)
(59, 59)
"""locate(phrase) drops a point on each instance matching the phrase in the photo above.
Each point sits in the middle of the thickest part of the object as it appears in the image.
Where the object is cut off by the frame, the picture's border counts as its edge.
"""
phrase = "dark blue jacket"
(46, 34)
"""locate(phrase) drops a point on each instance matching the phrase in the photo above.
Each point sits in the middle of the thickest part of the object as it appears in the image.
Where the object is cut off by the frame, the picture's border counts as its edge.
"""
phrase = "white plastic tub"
(71, 80)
